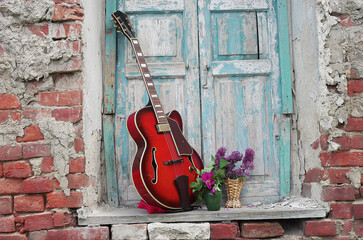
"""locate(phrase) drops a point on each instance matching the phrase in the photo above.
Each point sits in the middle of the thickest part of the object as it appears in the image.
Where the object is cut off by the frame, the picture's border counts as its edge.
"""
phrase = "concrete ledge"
(292, 209)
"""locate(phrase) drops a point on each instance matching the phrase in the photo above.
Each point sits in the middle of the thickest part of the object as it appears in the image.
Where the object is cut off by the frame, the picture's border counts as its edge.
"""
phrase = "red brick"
(224, 231)
(37, 185)
(341, 210)
(68, 114)
(1, 170)
(354, 124)
(31, 134)
(357, 142)
(9, 114)
(6, 205)
(38, 235)
(314, 175)
(341, 159)
(339, 193)
(74, 64)
(17, 169)
(11, 186)
(355, 86)
(65, 12)
(65, 30)
(358, 227)
(78, 145)
(29, 203)
(261, 230)
(13, 236)
(343, 141)
(346, 227)
(47, 165)
(64, 219)
(39, 222)
(56, 184)
(337, 176)
(86, 233)
(76, 181)
(41, 30)
(68, 81)
(9, 101)
(75, 46)
(320, 228)
(7, 224)
(60, 200)
(9, 152)
(76, 165)
(36, 115)
(358, 210)
(36, 150)
(67, 98)
(346, 21)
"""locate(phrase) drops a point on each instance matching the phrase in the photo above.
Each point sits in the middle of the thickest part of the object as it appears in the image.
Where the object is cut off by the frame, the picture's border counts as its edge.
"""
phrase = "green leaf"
(193, 184)
(212, 162)
(223, 162)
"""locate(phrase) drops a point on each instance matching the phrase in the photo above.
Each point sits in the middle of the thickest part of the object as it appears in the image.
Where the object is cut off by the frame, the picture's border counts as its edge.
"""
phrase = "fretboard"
(149, 84)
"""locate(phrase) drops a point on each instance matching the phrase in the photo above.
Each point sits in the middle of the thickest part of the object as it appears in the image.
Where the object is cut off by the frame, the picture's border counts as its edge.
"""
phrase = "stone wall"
(46, 174)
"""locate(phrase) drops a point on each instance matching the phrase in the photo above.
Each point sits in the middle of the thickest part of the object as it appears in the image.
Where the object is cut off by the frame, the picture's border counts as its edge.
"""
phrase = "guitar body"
(157, 162)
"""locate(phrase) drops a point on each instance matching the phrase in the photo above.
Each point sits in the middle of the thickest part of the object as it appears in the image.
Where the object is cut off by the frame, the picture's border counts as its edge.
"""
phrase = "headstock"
(123, 24)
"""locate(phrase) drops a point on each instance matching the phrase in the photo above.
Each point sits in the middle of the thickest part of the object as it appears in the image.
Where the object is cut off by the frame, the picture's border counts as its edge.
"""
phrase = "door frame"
(109, 101)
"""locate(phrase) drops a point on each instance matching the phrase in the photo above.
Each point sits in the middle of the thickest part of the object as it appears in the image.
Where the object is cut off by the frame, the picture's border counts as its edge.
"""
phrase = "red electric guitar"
(165, 164)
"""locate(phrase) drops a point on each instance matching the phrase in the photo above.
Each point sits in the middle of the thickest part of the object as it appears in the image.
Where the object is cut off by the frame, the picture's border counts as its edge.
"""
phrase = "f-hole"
(154, 165)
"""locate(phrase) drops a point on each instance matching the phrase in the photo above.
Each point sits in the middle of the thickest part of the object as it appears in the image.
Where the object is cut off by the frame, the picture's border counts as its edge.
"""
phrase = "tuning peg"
(118, 18)
(119, 31)
(115, 25)
(111, 19)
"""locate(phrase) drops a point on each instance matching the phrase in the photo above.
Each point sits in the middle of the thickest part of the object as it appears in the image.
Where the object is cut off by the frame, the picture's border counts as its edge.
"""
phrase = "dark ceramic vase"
(213, 201)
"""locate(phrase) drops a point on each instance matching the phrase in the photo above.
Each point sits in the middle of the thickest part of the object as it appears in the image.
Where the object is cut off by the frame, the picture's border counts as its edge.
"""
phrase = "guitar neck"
(149, 84)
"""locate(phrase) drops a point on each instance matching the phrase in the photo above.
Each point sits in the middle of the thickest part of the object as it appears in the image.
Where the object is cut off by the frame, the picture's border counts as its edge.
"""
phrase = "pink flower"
(213, 190)
(207, 178)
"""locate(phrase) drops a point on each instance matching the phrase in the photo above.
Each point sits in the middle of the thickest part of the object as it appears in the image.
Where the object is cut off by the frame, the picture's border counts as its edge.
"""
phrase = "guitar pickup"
(162, 127)
(181, 160)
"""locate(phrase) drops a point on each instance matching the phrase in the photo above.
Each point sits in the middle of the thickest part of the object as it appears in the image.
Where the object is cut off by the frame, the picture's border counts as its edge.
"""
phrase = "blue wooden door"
(168, 36)
(217, 62)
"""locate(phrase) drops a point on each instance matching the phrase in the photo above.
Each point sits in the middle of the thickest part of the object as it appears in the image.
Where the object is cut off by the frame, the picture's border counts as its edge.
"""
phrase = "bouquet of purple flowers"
(234, 170)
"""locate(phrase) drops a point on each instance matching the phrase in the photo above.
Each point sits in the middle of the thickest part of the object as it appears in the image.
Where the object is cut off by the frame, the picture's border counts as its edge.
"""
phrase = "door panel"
(170, 47)
(240, 92)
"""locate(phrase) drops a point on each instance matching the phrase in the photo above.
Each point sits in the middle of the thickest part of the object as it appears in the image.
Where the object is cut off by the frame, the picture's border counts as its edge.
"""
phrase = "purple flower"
(213, 190)
(245, 163)
(207, 178)
(220, 154)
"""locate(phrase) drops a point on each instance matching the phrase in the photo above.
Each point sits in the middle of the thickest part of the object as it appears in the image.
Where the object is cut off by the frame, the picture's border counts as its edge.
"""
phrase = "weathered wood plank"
(285, 157)
(110, 60)
(241, 67)
(176, 69)
(238, 5)
(284, 56)
(110, 161)
(153, 5)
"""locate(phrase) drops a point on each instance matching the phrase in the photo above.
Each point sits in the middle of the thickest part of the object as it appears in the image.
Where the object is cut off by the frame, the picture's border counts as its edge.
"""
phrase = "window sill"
(289, 209)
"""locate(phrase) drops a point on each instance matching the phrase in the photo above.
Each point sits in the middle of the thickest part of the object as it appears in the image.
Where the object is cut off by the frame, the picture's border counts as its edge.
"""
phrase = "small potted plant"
(209, 183)
(236, 170)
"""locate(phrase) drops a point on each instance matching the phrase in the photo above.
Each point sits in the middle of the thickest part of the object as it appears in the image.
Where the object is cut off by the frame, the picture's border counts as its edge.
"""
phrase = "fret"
(150, 87)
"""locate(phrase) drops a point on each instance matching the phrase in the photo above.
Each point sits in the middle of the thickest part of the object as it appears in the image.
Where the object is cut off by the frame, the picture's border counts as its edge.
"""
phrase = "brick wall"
(42, 162)
(341, 158)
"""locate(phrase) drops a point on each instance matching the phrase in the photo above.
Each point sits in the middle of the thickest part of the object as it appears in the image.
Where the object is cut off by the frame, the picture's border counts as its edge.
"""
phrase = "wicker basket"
(233, 188)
